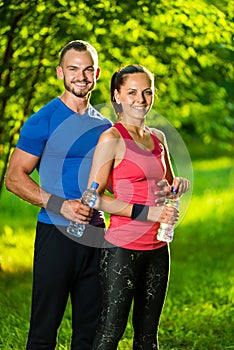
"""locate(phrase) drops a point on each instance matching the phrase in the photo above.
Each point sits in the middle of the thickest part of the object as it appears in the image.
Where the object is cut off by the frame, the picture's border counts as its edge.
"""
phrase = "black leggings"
(127, 275)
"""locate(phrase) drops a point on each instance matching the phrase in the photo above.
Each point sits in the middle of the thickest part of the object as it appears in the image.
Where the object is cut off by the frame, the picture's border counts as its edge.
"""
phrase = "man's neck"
(77, 104)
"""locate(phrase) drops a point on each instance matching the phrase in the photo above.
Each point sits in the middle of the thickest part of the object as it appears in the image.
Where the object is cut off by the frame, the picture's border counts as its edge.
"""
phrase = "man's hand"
(74, 210)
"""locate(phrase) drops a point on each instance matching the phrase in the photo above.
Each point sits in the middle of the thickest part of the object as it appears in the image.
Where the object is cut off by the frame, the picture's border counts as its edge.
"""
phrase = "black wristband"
(139, 212)
(55, 203)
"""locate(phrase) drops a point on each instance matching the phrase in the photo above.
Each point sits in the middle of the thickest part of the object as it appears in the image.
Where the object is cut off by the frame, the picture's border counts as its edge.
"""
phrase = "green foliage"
(198, 312)
(187, 44)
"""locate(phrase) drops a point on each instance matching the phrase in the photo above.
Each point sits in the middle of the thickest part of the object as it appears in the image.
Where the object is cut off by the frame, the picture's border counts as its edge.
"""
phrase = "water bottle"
(89, 198)
(166, 231)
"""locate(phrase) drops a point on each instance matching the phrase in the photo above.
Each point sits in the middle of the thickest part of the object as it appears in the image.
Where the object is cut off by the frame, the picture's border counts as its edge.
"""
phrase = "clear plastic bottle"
(89, 198)
(166, 231)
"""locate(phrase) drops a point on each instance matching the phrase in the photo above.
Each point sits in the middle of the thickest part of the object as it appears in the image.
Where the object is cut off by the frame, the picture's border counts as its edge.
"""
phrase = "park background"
(188, 45)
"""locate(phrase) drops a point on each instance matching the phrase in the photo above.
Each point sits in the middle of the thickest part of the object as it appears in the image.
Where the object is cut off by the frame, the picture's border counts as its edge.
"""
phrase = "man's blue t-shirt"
(65, 142)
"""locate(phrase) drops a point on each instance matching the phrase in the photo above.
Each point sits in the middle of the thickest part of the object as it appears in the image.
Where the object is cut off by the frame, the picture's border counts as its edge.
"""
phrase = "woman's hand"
(166, 214)
(181, 186)
(162, 193)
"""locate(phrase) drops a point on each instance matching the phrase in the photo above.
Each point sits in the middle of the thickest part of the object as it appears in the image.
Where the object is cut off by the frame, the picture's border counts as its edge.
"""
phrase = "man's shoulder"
(93, 112)
(49, 108)
(50, 111)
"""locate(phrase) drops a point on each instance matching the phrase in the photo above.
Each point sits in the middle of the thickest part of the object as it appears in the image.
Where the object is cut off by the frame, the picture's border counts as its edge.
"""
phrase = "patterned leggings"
(127, 275)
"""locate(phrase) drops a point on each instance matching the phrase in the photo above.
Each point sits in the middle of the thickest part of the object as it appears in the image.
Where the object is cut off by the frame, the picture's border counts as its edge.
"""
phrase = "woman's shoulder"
(159, 134)
(111, 134)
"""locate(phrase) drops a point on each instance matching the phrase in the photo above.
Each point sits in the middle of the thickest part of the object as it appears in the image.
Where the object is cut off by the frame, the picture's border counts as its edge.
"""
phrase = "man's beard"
(79, 93)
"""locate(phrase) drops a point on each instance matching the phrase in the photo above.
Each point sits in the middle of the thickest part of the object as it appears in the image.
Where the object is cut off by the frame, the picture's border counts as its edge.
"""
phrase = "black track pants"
(63, 268)
(128, 275)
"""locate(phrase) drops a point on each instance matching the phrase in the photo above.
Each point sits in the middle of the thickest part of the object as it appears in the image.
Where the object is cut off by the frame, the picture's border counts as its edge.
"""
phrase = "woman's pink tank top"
(134, 180)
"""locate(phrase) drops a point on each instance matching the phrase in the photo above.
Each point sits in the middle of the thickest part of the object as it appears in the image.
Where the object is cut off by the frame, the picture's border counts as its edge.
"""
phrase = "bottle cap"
(94, 185)
(173, 190)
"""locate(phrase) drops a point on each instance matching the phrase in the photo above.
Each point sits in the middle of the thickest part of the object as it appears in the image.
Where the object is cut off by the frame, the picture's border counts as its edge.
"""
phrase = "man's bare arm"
(19, 182)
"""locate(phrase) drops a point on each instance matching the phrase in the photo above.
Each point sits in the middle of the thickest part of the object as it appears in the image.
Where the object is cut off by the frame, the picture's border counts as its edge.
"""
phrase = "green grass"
(198, 312)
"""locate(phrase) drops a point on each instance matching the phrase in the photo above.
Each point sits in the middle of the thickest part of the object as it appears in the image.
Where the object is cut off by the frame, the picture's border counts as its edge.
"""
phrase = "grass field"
(198, 312)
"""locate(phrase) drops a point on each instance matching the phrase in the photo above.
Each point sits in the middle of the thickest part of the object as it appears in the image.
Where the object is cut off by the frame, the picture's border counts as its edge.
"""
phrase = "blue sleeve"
(33, 135)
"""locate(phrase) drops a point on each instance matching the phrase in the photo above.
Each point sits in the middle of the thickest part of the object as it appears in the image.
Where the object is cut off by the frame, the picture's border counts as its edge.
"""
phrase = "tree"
(187, 45)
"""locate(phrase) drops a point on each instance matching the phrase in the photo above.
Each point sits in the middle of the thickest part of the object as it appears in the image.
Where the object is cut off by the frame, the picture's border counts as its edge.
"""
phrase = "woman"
(134, 265)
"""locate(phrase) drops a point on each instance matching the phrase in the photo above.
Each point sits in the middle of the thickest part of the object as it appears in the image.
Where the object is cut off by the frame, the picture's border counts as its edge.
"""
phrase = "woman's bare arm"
(181, 184)
(107, 155)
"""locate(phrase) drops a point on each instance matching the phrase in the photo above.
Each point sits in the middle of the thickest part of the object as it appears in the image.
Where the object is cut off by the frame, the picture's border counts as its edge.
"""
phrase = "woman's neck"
(135, 127)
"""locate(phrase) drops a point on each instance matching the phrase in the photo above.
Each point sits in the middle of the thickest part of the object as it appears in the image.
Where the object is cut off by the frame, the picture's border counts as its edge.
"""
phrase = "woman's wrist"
(139, 212)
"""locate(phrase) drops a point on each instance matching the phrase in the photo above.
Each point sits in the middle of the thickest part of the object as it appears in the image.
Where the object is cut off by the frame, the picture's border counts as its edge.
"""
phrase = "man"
(59, 141)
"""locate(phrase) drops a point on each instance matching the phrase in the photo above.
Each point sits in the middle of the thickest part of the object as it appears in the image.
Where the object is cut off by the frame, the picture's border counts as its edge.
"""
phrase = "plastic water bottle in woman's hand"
(166, 231)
